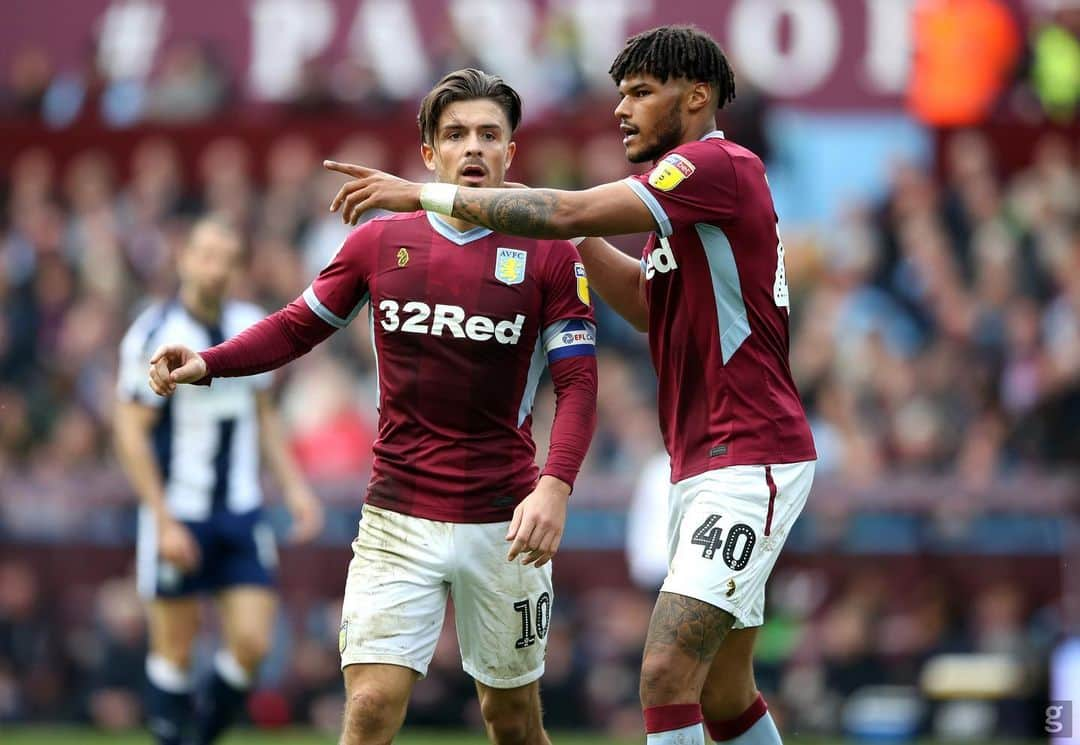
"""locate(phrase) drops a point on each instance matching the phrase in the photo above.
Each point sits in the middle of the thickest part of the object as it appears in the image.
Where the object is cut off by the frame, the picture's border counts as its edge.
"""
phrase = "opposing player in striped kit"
(194, 462)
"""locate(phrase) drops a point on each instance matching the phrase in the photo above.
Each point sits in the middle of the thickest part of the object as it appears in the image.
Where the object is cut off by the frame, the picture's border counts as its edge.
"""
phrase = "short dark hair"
(676, 52)
(219, 222)
(466, 85)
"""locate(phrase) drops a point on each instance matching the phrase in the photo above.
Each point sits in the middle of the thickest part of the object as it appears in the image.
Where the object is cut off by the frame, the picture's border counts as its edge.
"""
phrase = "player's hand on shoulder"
(173, 364)
(176, 544)
(368, 189)
(307, 516)
(536, 529)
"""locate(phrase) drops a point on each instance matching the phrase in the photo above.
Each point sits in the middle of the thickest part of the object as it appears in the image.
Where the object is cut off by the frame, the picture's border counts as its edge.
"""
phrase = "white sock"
(763, 732)
(167, 676)
(692, 735)
(231, 671)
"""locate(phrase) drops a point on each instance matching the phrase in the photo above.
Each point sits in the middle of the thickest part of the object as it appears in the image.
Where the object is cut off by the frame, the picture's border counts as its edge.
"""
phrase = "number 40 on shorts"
(712, 538)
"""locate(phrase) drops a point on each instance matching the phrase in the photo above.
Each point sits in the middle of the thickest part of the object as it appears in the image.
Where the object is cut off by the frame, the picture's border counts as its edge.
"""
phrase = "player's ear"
(698, 96)
(511, 149)
(427, 152)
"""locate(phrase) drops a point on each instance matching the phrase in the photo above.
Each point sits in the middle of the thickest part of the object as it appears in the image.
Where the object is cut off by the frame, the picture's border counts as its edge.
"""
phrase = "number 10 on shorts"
(736, 552)
(543, 618)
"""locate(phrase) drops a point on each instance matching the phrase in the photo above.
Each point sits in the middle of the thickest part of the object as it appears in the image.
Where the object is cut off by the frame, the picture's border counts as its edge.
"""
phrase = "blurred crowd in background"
(939, 329)
(935, 330)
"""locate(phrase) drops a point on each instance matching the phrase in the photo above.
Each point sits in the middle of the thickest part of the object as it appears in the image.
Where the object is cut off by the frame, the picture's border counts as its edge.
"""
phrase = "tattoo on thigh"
(692, 627)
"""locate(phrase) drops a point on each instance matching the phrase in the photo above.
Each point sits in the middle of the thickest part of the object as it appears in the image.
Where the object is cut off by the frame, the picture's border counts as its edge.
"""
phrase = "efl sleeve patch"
(571, 338)
(670, 172)
(582, 281)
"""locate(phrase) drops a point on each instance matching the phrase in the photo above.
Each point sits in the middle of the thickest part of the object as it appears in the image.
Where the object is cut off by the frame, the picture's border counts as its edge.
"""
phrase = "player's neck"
(461, 226)
(698, 130)
(201, 308)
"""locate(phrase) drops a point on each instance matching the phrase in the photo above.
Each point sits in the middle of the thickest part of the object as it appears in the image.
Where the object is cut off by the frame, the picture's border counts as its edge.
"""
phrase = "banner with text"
(820, 53)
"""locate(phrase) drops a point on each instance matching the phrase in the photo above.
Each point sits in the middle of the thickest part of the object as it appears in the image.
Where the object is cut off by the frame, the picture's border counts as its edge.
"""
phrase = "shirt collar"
(450, 233)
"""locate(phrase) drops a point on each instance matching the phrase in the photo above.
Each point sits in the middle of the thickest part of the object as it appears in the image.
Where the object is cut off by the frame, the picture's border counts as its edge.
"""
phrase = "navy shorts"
(234, 549)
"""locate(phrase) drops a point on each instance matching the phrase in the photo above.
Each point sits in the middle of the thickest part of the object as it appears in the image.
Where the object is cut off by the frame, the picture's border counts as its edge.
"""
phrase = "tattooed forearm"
(694, 628)
(524, 212)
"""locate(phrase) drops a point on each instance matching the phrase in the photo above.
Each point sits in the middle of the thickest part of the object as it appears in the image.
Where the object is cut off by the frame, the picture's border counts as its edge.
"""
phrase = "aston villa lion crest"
(510, 266)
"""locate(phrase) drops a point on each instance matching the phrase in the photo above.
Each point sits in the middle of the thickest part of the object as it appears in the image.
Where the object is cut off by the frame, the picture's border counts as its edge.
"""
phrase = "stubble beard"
(668, 137)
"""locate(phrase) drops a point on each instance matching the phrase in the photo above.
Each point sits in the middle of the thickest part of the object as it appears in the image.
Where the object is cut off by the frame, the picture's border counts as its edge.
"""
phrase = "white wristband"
(438, 197)
(578, 241)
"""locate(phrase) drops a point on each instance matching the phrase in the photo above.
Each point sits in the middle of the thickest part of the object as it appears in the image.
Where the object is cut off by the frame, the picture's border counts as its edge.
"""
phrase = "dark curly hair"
(676, 52)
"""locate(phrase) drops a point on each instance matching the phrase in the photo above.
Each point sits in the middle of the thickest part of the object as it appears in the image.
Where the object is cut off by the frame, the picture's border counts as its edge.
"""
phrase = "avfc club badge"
(343, 636)
(670, 172)
(402, 256)
(582, 282)
(510, 266)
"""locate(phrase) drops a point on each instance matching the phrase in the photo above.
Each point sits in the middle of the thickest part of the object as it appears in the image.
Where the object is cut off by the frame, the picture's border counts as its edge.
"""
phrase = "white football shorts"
(402, 569)
(725, 530)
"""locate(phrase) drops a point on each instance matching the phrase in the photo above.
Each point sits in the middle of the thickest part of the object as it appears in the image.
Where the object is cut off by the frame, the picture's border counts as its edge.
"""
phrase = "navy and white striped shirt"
(207, 438)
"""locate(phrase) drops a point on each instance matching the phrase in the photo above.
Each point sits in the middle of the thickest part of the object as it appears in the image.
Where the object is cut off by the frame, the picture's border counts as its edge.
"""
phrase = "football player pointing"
(711, 291)
(463, 322)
